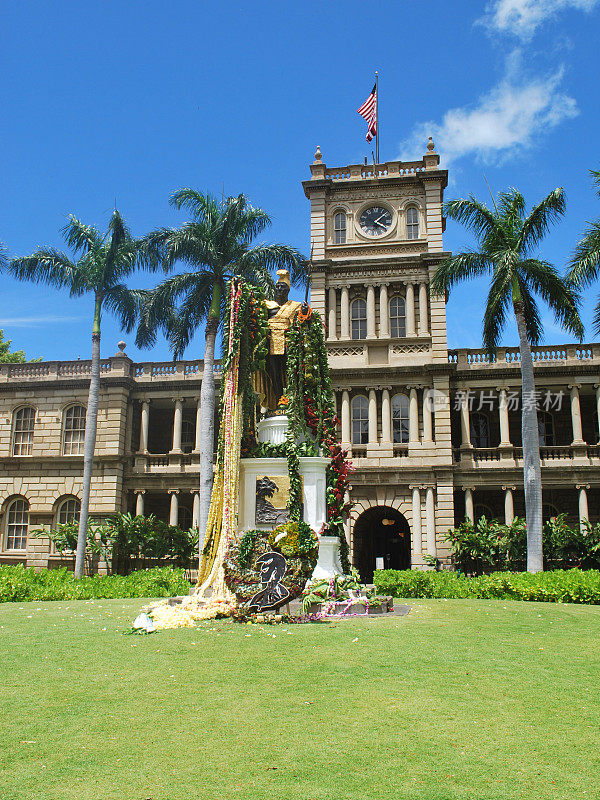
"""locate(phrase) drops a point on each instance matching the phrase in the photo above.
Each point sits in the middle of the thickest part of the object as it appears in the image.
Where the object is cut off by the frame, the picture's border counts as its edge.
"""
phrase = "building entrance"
(381, 541)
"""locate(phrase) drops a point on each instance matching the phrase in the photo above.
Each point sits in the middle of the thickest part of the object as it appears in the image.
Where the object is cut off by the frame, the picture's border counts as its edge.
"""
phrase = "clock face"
(375, 220)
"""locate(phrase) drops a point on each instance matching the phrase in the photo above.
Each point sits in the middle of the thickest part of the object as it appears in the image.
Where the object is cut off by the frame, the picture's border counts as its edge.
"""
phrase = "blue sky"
(127, 101)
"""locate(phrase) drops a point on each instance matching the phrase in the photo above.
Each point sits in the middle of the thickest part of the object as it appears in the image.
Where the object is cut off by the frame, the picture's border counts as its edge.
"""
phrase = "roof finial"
(318, 155)
(430, 145)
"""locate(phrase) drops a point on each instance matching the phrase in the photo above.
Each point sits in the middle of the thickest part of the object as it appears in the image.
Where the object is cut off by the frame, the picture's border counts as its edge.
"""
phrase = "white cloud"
(509, 118)
(34, 321)
(522, 17)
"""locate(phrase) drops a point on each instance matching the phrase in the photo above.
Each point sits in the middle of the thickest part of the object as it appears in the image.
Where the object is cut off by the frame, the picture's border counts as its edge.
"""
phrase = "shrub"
(20, 584)
(556, 586)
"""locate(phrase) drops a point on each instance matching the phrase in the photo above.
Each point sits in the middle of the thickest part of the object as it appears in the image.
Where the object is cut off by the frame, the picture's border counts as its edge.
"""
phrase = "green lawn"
(462, 699)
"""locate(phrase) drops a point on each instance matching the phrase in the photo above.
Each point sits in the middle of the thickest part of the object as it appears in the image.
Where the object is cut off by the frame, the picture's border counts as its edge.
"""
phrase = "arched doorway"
(381, 539)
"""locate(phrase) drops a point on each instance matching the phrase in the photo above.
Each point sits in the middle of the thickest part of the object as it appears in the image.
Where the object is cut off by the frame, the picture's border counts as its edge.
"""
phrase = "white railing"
(551, 354)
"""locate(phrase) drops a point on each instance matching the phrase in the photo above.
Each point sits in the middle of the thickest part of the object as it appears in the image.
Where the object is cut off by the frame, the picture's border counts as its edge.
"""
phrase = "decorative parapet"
(549, 354)
(115, 367)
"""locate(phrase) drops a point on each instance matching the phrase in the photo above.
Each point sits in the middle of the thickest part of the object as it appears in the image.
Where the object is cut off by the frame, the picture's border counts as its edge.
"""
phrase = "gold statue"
(270, 386)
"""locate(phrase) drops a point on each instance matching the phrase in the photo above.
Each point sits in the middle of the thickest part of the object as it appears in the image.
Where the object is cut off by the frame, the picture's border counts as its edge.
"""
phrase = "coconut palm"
(215, 245)
(508, 238)
(102, 262)
(585, 263)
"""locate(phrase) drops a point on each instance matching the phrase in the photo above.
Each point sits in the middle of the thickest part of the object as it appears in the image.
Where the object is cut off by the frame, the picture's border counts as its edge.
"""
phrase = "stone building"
(434, 433)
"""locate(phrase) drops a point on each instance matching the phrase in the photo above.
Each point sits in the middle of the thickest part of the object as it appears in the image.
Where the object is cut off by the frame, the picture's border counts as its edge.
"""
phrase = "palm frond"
(80, 236)
(596, 319)
(584, 266)
(47, 265)
(533, 322)
(472, 214)
(3, 257)
(494, 318)
(560, 296)
(537, 224)
(124, 303)
(596, 179)
(458, 268)
(200, 205)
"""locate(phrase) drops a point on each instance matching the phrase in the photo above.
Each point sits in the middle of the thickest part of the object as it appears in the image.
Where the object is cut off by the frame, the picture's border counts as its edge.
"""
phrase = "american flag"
(368, 110)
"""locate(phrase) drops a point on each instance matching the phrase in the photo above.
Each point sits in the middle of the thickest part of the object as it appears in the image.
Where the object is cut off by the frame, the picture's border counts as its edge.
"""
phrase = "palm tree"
(585, 263)
(215, 245)
(103, 261)
(508, 239)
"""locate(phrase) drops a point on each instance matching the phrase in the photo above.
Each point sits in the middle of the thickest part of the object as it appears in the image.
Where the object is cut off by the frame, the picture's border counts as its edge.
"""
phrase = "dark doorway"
(381, 533)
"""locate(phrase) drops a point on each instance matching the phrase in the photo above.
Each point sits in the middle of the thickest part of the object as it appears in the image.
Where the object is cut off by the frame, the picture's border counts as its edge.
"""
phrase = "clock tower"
(376, 239)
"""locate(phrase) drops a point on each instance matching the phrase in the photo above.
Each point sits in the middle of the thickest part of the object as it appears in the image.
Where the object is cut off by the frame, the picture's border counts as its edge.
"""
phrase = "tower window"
(480, 430)
(23, 431)
(400, 418)
(397, 317)
(360, 420)
(339, 228)
(358, 316)
(412, 223)
(17, 524)
(74, 431)
(546, 429)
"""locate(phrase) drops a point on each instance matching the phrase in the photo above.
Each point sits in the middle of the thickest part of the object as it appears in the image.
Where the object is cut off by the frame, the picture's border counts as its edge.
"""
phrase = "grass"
(469, 699)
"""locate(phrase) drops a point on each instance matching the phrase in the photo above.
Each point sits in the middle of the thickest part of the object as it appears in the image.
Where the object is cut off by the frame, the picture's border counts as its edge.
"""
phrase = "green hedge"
(18, 584)
(557, 586)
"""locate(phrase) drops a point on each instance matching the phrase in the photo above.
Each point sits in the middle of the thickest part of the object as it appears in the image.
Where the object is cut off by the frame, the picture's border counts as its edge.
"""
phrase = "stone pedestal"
(329, 563)
(272, 429)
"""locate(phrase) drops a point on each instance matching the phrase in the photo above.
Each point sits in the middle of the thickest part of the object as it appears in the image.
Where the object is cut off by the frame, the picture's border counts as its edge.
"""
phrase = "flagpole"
(377, 115)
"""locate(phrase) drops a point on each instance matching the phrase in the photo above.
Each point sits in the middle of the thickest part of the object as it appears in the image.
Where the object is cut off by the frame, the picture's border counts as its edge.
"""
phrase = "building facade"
(434, 434)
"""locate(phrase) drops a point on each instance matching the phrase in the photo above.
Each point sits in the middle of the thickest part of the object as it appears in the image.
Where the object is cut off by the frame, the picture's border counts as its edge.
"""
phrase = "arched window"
(339, 228)
(360, 420)
(24, 423)
(188, 436)
(68, 511)
(358, 317)
(17, 524)
(397, 317)
(480, 430)
(546, 429)
(400, 418)
(74, 431)
(412, 223)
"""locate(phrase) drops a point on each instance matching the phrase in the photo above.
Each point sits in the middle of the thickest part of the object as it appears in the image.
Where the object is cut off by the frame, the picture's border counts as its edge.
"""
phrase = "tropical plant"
(508, 238)
(6, 357)
(103, 262)
(215, 246)
(99, 543)
(585, 263)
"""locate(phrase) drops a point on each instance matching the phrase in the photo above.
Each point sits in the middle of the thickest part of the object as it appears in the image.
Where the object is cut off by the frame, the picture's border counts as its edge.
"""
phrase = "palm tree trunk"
(91, 424)
(532, 469)
(207, 413)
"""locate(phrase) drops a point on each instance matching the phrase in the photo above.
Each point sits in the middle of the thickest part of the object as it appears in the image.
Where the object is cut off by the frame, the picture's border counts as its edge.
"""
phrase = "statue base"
(329, 563)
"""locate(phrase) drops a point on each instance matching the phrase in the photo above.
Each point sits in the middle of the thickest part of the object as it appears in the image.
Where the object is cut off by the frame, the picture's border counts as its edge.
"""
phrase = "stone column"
(139, 502)
(576, 414)
(144, 426)
(384, 312)
(177, 424)
(345, 417)
(197, 442)
(423, 328)
(372, 417)
(583, 504)
(509, 508)
(196, 510)
(174, 508)
(503, 414)
(129, 427)
(331, 318)
(371, 312)
(410, 310)
(469, 506)
(417, 545)
(427, 420)
(345, 313)
(597, 387)
(465, 422)
(430, 517)
(413, 417)
(386, 417)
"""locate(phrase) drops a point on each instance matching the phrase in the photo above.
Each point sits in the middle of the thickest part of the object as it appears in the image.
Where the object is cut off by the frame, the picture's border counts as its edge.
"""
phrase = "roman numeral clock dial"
(375, 221)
